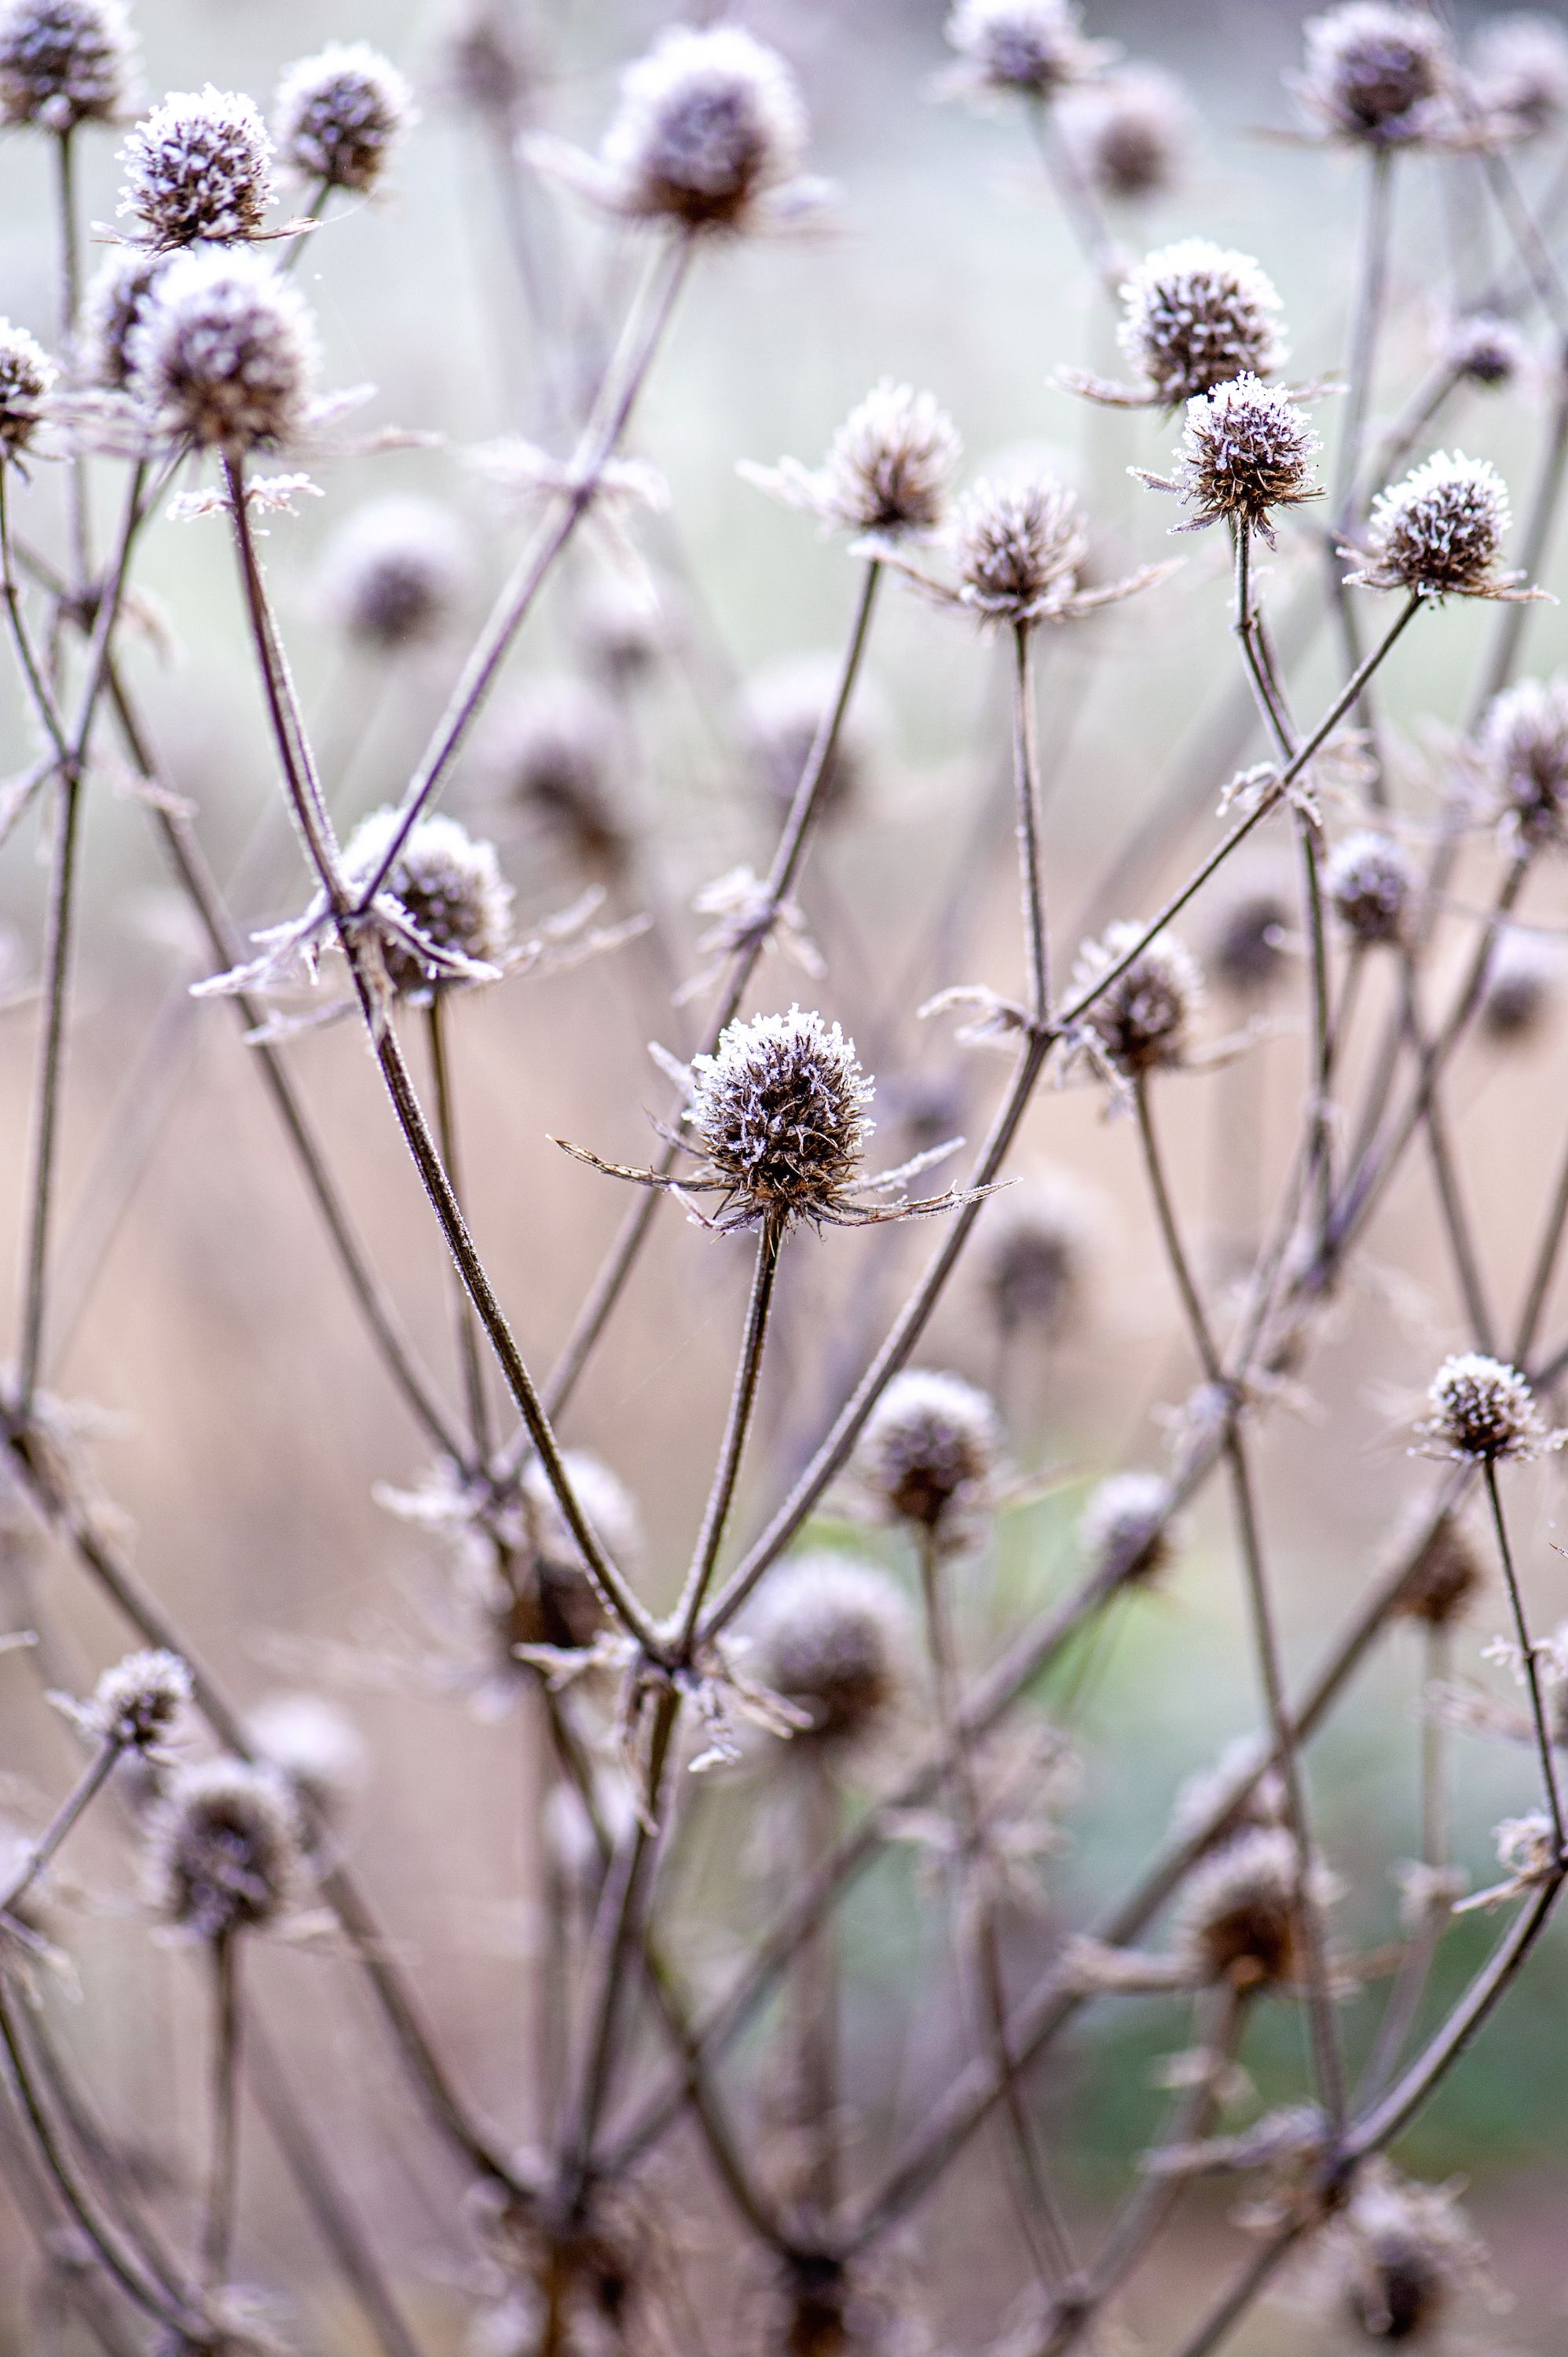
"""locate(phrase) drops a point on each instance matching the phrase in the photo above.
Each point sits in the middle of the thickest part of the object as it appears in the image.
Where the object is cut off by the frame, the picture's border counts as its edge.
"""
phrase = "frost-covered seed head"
(1482, 1409)
(339, 115)
(1037, 1247)
(1143, 1018)
(26, 376)
(1524, 982)
(552, 1601)
(709, 124)
(114, 303)
(1519, 68)
(63, 62)
(447, 883)
(892, 462)
(1370, 881)
(622, 627)
(1238, 1916)
(1441, 532)
(1246, 448)
(1375, 71)
(224, 1849)
(1125, 1530)
(832, 1635)
(139, 1703)
(1446, 1578)
(782, 708)
(1134, 133)
(929, 1448)
(554, 751)
(222, 353)
(1523, 749)
(1485, 351)
(1019, 548)
(1247, 952)
(1195, 316)
(312, 1744)
(198, 169)
(779, 1115)
(1403, 2252)
(394, 574)
(1035, 47)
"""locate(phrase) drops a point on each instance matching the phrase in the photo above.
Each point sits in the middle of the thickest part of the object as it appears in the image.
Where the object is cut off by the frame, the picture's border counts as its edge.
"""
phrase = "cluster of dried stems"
(777, 1674)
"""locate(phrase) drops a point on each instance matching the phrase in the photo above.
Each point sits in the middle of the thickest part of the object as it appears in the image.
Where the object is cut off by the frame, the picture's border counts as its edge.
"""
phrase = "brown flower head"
(63, 62)
(889, 470)
(1038, 1245)
(114, 304)
(450, 919)
(1483, 1411)
(1377, 72)
(339, 115)
(1127, 1530)
(928, 1450)
(1134, 134)
(1403, 2253)
(139, 1703)
(1237, 1921)
(1485, 351)
(1522, 750)
(831, 1636)
(224, 1850)
(1370, 881)
(1519, 73)
(1440, 533)
(394, 574)
(777, 1115)
(26, 377)
(1035, 48)
(222, 353)
(1142, 1020)
(1248, 949)
(553, 750)
(1194, 317)
(1445, 1578)
(1523, 984)
(1246, 450)
(198, 170)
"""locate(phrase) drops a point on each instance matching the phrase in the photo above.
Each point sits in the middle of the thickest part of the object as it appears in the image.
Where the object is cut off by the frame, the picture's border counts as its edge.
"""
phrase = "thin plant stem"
(446, 1137)
(223, 2176)
(742, 1403)
(39, 1853)
(1529, 1664)
(1026, 778)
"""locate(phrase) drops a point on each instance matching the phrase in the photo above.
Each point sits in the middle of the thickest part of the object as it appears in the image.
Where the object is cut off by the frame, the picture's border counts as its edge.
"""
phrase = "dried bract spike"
(553, 749)
(140, 1701)
(710, 128)
(394, 574)
(1375, 71)
(63, 62)
(1248, 951)
(1524, 982)
(1371, 882)
(1485, 351)
(449, 888)
(1444, 1579)
(833, 1637)
(1440, 533)
(1520, 70)
(1238, 1919)
(1019, 548)
(890, 468)
(224, 1852)
(313, 1745)
(928, 1450)
(777, 1115)
(1522, 748)
(1195, 316)
(1038, 1243)
(222, 353)
(114, 304)
(1482, 1411)
(1134, 134)
(1140, 1020)
(1034, 47)
(26, 377)
(339, 115)
(1127, 1529)
(1246, 450)
(199, 168)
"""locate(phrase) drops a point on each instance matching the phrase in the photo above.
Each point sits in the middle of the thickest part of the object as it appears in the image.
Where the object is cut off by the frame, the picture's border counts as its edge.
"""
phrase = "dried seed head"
(1441, 532)
(394, 574)
(1134, 134)
(26, 377)
(1524, 750)
(623, 631)
(832, 1635)
(1248, 951)
(1485, 351)
(339, 115)
(488, 64)
(63, 62)
(114, 303)
(553, 750)
(1238, 1916)
(223, 352)
(892, 463)
(551, 1600)
(1195, 316)
(1035, 47)
(710, 125)
(1038, 1245)
(139, 1703)
(1376, 72)
(782, 708)
(1126, 1528)
(1246, 448)
(314, 1746)
(223, 1849)
(1019, 548)
(1403, 2252)
(1142, 1019)
(1199, 1796)
(1520, 70)
(1482, 1411)
(1370, 881)
(1524, 981)
(928, 1450)
(198, 169)
(777, 1115)
(449, 885)
(1446, 1578)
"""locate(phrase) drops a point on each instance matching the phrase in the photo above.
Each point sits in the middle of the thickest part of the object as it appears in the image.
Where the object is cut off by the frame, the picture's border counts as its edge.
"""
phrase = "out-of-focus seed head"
(1446, 1577)
(832, 1635)
(551, 1600)
(1201, 1796)
(1126, 1530)
(1019, 548)
(709, 124)
(113, 305)
(63, 62)
(339, 115)
(553, 750)
(1371, 882)
(449, 885)
(1238, 1918)
(1134, 134)
(623, 631)
(393, 574)
(224, 1852)
(928, 1451)
(222, 353)
(777, 1113)
(198, 169)
(1246, 450)
(314, 1746)
(1376, 72)
(1524, 752)
(1441, 532)
(1038, 1246)
(1522, 988)
(782, 708)
(1195, 315)
(1485, 351)
(1403, 2252)
(1482, 1411)
(26, 377)
(488, 65)
(1034, 47)
(892, 462)
(139, 1703)
(1248, 951)
(1520, 71)
(1143, 1018)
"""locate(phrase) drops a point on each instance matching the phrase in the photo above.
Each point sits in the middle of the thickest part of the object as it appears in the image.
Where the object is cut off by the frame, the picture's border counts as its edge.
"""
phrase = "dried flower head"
(198, 169)
(313, 1745)
(1249, 941)
(1140, 1020)
(1484, 350)
(553, 750)
(1038, 1245)
(224, 1852)
(1135, 135)
(395, 573)
(831, 1636)
(1371, 882)
(889, 469)
(1246, 450)
(1019, 548)
(1440, 533)
(453, 903)
(777, 1115)
(1376, 72)
(1446, 1578)
(1482, 1411)
(1523, 749)
(114, 306)
(1237, 1921)
(1519, 73)
(63, 62)
(551, 1600)
(1127, 1529)
(1524, 981)
(1033, 47)
(222, 353)
(488, 64)
(782, 708)
(139, 1703)
(26, 376)
(1403, 2252)
(708, 135)
(339, 115)
(624, 632)
(1195, 316)
(927, 1452)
